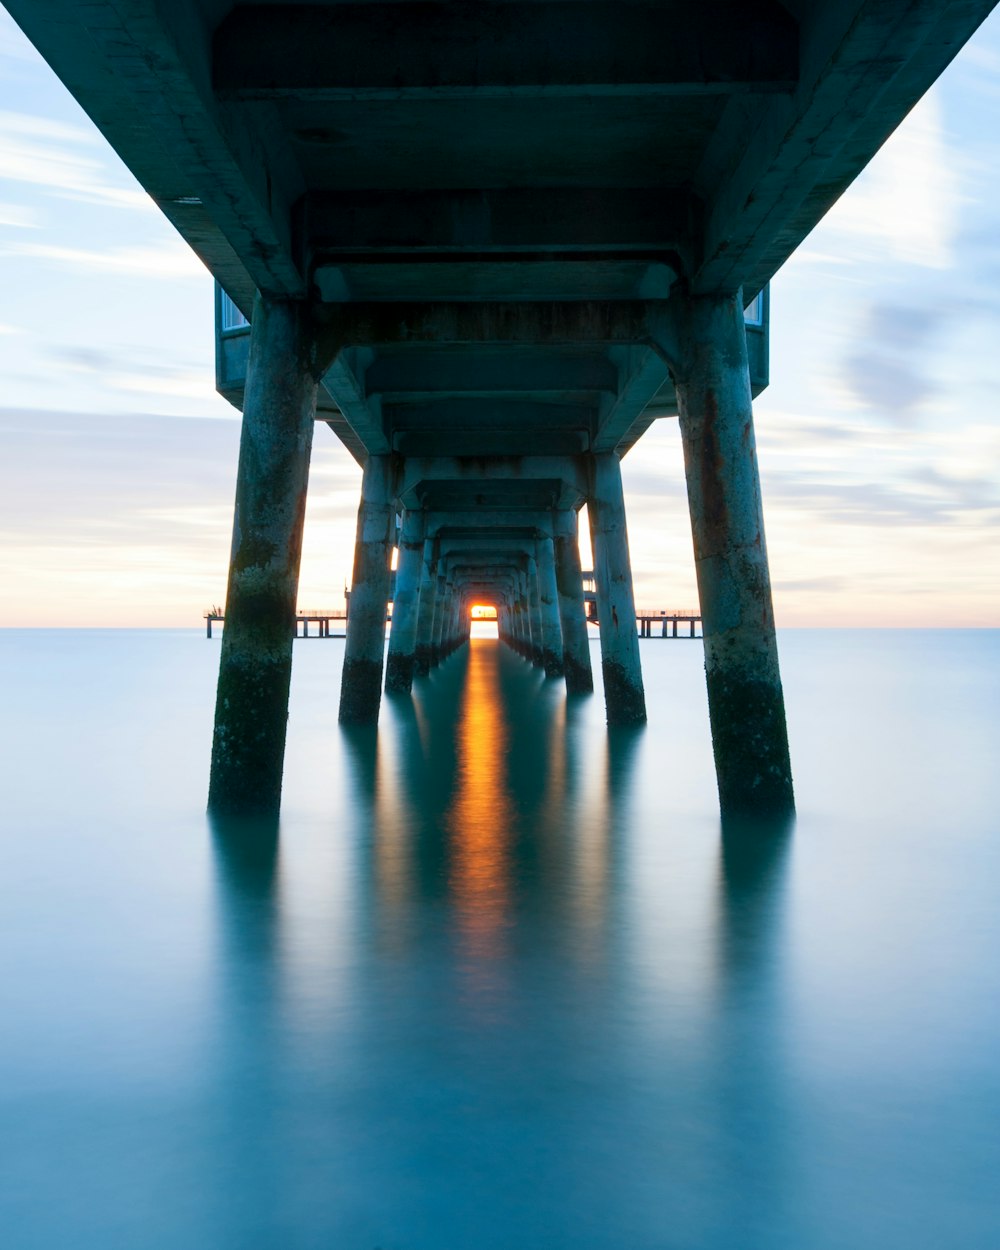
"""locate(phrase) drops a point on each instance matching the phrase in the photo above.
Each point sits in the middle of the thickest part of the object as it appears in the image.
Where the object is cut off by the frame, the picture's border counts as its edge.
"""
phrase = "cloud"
(904, 206)
(14, 46)
(40, 152)
(19, 216)
(886, 372)
(167, 261)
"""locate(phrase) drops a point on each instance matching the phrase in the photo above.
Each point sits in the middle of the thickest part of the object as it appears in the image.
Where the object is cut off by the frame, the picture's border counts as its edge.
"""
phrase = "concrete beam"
(142, 73)
(514, 219)
(533, 323)
(411, 376)
(394, 51)
(772, 174)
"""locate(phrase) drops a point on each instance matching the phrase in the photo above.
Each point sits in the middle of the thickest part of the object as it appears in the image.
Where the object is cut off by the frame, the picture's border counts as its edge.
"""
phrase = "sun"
(483, 612)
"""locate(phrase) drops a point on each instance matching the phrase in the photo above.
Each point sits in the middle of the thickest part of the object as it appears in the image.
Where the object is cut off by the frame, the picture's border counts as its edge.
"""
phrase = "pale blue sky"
(879, 436)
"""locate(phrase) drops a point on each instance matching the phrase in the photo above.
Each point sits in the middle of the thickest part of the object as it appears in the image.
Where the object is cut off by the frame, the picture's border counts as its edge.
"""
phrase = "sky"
(878, 437)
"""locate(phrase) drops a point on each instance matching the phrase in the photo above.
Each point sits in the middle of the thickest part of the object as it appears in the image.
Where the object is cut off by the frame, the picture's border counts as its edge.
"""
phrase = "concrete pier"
(624, 697)
(400, 659)
(548, 604)
(745, 699)
(255, 666)
(361, 685)
(572, 616)
(425, 610)
(535, 613)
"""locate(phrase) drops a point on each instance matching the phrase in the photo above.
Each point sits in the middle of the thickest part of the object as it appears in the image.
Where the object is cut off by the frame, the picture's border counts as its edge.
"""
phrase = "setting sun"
(483, 612)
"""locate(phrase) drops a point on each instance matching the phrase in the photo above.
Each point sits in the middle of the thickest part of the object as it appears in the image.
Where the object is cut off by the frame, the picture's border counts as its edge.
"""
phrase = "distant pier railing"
(646, 618)
(320, 617)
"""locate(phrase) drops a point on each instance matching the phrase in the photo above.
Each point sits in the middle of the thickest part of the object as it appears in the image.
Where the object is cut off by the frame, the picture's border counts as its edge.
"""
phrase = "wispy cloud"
(170, 261)
(20, 216)
(905, 205)
(64, 161)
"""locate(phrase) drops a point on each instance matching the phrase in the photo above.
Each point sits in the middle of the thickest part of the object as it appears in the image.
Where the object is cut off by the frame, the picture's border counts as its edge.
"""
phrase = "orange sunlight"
(481, 814)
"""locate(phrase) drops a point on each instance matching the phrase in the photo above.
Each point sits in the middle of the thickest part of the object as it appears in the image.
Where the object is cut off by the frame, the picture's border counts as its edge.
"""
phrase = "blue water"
(499, 980)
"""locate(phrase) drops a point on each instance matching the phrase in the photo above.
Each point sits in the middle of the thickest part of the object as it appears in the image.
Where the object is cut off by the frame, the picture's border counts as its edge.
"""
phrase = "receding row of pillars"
(539, 591)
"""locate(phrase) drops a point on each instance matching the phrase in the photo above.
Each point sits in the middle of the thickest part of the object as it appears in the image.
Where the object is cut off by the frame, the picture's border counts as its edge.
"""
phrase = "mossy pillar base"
(400, 660)
(572, 613)
(255, 667)
(745, 699)
(361, 686)
(625, 700)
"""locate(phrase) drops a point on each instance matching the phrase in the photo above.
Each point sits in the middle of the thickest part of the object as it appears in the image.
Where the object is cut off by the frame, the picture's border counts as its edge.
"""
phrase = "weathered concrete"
(745, 698)
(548, 608)
(572, 612)
(399, 662)
(440, 613)
(624, 697)
(361, 686)
(255, 667)
(425, 611)
(534, 602)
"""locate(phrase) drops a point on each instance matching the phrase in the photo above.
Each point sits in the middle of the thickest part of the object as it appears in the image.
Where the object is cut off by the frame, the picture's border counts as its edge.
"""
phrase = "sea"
(499, 979)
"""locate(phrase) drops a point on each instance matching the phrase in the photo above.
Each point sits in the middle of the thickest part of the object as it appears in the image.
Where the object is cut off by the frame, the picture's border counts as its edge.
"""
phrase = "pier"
(646, 619)
(488, 246)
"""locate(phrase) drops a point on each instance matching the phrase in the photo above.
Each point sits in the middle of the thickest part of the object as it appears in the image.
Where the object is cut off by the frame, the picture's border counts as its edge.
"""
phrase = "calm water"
(499, 981)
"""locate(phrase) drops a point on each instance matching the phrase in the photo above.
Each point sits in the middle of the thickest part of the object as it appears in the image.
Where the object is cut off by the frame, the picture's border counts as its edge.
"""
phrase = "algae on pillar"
(572, 612)
(361, 685)
(745, 699)
(279, 409)
(405, 605)
(624, 697)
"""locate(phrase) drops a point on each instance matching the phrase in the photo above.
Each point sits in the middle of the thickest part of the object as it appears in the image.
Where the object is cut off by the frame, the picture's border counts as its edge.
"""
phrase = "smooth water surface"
(500, 980)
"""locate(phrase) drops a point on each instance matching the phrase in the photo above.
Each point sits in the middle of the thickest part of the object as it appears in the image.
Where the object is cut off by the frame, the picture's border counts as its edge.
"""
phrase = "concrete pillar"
(440, 612)
(548, 599)
(623, 693)
(405, 606)
(255, 665)
(534, 612)
(425, 610)
(572, 612)
(361, 686)
(745, 699)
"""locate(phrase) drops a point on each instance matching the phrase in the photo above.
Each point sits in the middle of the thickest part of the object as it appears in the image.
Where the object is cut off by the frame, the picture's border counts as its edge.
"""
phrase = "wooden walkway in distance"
(649, 617)
(321, 617)
(646, 618)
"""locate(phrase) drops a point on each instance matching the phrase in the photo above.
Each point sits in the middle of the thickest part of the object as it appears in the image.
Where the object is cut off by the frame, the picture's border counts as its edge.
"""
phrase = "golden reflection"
(481, 814)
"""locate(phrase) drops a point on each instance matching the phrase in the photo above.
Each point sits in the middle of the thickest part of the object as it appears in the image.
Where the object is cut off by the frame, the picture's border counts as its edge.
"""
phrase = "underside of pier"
(488, 244)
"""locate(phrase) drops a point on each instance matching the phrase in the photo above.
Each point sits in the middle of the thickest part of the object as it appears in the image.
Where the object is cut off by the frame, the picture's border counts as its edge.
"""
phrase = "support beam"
(346, 51)
(623, 692)
(255, 666)
(361, 686)
(405, 606)
(572, 613)
(521, 219)
(745, 699)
